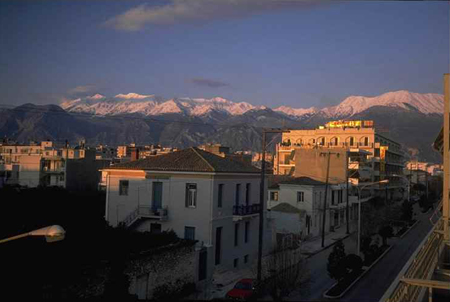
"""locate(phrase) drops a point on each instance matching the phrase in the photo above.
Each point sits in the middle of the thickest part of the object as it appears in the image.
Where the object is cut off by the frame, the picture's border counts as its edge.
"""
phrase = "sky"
(265, 52)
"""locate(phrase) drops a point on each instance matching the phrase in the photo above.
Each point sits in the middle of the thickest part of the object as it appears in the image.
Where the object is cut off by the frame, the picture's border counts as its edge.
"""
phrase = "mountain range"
(412, 119)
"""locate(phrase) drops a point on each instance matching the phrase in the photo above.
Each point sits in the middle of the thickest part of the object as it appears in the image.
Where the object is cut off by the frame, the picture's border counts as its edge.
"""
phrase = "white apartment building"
(307, 196)
(46, 165)
(197, 194)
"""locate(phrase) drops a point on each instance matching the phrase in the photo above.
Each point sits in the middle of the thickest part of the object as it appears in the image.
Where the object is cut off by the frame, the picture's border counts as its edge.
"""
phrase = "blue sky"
(296, 53)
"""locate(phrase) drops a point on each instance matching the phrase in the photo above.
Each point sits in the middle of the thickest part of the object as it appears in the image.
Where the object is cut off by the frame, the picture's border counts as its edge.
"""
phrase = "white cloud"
(195, 11)
(82, 89)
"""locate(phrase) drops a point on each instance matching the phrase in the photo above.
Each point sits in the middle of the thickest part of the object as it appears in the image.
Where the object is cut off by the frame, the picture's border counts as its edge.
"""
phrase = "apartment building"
(359, 138)
(44, 164)
(199, 195)
(296, 206)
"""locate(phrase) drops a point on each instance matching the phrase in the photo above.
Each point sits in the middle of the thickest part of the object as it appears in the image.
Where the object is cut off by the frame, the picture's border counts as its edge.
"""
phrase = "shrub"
(353, 263)
(336, 265)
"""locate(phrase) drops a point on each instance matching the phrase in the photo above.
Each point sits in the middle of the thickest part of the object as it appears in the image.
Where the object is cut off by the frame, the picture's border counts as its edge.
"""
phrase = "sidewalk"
(224, 281)
(314, 245)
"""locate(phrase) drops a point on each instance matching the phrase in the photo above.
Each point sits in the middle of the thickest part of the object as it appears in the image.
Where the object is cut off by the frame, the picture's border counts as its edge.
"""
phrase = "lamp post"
(359, 209)
(52, 233)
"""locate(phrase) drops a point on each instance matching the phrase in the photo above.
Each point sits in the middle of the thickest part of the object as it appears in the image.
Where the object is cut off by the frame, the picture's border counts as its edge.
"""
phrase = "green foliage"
(336, 265)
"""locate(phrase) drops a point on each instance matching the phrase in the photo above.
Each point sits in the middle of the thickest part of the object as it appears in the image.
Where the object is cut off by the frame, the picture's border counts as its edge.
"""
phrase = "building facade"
(197, 194)
(307, 196)
(383, 155)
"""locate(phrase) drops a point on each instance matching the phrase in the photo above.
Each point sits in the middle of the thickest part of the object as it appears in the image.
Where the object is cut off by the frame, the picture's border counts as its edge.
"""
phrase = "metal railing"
(146, 212)
(246, 209)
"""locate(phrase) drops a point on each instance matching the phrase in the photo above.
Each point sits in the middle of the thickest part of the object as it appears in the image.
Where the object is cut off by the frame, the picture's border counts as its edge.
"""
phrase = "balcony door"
(157, 195)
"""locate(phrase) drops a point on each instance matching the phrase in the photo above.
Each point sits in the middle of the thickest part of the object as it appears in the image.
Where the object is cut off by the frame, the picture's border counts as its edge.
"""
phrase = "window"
(123, 187)
(300, 196)
(340, 196)
(246, 259)
(220, 197)
(247, 229)
(191, 195)
(236, 262)
(236, 234)
(189, 233)
(274, 196)
(352, 141)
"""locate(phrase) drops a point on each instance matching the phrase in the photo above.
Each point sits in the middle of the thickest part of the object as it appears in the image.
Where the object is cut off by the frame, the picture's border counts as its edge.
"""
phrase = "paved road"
(375, 282)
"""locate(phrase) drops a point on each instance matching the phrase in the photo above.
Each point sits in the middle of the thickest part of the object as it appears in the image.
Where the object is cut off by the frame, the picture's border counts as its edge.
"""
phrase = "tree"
(336, 265)
(407, 211)
(285, 271)
(386, 232)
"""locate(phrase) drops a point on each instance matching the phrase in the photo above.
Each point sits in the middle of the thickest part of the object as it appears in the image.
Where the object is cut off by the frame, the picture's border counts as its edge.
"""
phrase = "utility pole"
(326, 193)
(325, 199)
(261, 197)
(346, 208)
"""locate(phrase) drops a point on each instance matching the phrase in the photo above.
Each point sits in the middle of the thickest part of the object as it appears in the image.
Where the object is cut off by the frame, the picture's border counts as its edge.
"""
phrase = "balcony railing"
(146, 212)
(243, 210)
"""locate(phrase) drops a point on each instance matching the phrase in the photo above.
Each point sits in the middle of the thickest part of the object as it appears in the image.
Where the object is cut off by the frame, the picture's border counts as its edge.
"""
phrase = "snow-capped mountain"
(297, 112)
(152, 105)
(425, 103)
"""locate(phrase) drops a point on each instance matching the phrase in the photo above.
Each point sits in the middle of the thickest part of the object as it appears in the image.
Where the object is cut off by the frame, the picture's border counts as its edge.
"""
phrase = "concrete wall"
(313, 163)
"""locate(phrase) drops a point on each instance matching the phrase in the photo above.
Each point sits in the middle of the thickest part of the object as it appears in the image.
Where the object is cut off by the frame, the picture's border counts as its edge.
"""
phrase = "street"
(375, 282)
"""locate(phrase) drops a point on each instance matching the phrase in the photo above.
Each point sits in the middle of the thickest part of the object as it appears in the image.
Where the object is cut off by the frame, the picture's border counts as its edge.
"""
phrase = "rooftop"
(303, 181)
(189, 160)
(286, 208)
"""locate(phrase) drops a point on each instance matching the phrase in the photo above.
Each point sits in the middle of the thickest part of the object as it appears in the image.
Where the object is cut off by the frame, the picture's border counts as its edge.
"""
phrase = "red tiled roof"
(188, 160)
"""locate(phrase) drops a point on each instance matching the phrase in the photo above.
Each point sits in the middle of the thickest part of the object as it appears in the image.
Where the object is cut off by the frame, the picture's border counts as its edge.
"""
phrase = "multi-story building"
(46, 165)
(307, 197)
(359, 138)
(199, 195)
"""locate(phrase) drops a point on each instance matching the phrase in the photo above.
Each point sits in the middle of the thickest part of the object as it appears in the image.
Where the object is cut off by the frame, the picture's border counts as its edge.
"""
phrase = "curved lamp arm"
(52, 233)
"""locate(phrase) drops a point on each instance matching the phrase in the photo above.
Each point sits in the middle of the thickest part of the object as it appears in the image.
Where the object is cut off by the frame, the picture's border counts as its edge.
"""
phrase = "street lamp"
(359, 209)
(52, 233)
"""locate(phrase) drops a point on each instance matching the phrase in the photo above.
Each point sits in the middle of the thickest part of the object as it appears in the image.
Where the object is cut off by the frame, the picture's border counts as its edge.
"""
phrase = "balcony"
(242, 211)
(52, 171)
(146, 212)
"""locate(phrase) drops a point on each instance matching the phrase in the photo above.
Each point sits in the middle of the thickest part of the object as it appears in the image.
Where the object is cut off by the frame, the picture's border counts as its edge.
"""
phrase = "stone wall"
(165, 270)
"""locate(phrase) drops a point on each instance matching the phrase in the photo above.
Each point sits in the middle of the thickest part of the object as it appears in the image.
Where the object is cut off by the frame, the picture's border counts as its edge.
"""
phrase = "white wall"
(206, 217)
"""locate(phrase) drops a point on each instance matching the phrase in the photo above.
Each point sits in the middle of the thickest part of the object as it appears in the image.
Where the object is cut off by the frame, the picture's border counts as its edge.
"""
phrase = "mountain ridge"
(150, 105)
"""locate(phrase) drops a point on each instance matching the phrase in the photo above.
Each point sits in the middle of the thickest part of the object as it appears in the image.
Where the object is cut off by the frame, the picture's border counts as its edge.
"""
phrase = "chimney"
(134, 154)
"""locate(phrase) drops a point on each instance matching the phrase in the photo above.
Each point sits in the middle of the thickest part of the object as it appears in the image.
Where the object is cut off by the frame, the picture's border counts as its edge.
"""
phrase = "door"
(218, 244)
(157, 195)
(202, 267)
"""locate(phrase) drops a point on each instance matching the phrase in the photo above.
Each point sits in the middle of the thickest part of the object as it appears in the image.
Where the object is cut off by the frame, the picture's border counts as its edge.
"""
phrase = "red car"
(243, 290)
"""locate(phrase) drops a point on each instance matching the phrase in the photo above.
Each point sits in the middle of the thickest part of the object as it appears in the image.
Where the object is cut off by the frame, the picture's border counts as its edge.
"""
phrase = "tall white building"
(197, 194)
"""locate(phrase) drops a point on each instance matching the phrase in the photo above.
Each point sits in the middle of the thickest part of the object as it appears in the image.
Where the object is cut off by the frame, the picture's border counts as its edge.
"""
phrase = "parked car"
(243, 290)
